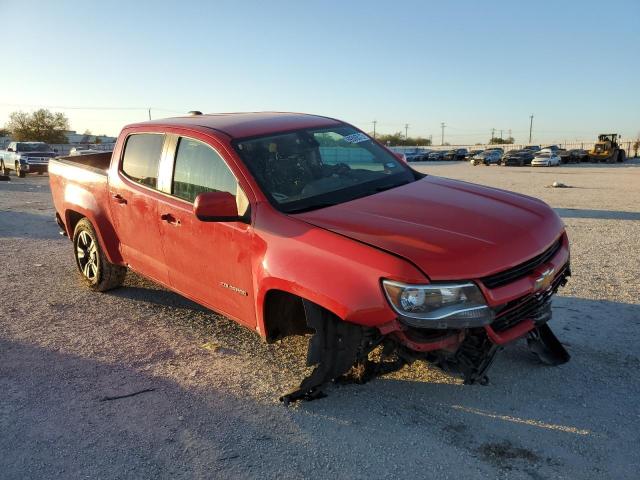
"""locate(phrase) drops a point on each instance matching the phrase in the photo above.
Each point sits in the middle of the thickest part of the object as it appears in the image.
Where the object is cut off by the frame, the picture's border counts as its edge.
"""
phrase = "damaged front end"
(464, 343)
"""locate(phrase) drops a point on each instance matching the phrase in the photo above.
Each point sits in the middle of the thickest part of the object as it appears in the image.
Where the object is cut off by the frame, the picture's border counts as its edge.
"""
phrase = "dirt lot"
(211, 410)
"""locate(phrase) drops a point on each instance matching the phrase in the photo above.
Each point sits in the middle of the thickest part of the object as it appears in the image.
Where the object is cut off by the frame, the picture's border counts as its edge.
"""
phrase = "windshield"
(544, 155)
(315, 168)
(32, 147)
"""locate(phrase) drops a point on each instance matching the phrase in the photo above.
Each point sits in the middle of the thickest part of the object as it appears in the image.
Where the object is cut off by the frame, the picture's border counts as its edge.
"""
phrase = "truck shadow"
(140, 289)
(59, 414)
(597, 214)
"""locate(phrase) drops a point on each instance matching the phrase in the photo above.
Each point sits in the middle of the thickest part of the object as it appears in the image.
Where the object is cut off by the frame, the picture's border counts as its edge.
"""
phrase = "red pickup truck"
(293, 224)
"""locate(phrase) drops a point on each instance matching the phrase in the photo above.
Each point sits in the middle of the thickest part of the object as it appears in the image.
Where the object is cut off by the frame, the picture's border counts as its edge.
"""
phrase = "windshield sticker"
(390, 165)
(356, 138)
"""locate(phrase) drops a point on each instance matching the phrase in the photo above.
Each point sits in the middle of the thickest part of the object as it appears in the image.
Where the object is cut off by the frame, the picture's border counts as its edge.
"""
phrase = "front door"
(209, 262)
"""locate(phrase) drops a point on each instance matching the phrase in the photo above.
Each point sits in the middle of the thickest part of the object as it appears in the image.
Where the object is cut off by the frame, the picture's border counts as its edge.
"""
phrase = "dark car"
(456, 154)
(414, 156)
(486, 158)
(517, 158)
(437, 155)
(473, 153)
(533, 148)
(577, 155)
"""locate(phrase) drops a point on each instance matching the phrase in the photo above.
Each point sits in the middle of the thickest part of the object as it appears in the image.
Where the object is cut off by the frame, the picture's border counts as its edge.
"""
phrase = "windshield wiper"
(382, 188)
(309, 208)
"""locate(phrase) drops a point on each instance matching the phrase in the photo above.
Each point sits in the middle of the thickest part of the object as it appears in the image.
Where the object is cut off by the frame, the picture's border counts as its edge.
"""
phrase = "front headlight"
(444, 305)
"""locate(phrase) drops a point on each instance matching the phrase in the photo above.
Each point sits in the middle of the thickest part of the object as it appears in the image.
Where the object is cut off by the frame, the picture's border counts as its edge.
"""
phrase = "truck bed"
(98, 162)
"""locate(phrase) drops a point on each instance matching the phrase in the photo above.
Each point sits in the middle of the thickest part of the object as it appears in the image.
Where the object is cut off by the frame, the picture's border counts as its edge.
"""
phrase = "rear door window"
(198, 169)
(141, 158)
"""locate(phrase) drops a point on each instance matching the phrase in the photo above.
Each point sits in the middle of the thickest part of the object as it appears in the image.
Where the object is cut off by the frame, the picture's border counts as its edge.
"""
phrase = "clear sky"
(574, 65)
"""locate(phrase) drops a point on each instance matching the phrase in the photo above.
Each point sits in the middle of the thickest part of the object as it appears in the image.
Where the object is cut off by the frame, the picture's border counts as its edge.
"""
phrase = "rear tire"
(97, 272)
(622, 156)
(3, 169)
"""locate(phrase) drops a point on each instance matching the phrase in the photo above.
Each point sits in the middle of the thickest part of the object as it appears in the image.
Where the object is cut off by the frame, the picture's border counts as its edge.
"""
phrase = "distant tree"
(501, 141)
(98, 139)
(86, 136)
(636, 146)
(41, 126)
(4, 132)
(398, 138)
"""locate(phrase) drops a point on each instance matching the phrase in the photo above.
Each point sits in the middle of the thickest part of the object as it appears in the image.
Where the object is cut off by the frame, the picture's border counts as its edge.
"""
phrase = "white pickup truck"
(26, 157)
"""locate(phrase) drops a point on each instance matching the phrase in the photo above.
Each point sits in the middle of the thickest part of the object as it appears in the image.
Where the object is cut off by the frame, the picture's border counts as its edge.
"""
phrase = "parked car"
(26, 157)
(487, 157)
(456, 154)
(533, 148)
(437, 155)
(416, 155)
(517, 158)
(473, 153)
(577, 155)
(83, 151)
(545, 159)
(248, 215)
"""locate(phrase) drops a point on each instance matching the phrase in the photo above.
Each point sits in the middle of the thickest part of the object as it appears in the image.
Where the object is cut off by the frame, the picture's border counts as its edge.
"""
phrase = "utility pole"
(500, 135)
(509, 133)
(149, 113)
(406, 131)
(493, 134)
(374, 128)
(530, 126)
(442, 125)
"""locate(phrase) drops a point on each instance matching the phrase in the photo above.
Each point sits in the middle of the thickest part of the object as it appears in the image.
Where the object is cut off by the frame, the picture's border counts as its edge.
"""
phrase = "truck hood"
(451, 230)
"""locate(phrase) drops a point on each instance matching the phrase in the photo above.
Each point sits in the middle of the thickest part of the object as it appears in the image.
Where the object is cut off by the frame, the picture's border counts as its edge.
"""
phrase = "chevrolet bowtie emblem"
(545, 279)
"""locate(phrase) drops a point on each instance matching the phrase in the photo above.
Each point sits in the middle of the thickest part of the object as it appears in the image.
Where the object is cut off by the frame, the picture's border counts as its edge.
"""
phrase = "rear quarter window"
(142, 154)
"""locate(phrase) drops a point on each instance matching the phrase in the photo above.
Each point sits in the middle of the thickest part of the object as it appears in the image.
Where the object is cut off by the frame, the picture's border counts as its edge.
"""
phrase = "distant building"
(75, 138)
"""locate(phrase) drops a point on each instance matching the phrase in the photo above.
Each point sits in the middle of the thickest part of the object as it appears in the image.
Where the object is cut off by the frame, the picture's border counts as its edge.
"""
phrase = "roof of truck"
(247, 124)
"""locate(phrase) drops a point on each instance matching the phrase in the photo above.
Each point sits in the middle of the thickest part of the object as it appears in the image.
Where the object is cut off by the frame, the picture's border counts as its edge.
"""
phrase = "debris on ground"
(558, 185)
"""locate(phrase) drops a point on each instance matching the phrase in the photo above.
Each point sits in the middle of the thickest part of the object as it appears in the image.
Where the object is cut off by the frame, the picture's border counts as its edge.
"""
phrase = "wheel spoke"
(80, 253)
(93, 269)
(86, 269)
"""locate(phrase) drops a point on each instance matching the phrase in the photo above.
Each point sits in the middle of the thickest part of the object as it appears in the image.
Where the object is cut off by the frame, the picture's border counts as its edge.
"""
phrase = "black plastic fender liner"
(333, 349)
(546, 346)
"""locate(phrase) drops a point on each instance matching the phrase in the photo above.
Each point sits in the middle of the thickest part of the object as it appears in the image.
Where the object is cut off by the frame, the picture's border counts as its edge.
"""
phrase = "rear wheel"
(622, 156)
(96, 270)
(3, 169)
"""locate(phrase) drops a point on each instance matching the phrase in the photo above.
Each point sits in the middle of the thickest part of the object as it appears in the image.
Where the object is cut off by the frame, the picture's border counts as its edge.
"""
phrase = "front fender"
(336, 272)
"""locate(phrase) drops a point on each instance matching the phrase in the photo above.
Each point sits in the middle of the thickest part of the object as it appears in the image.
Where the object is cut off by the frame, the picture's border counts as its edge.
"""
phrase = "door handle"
(119, 199)
(170, 219)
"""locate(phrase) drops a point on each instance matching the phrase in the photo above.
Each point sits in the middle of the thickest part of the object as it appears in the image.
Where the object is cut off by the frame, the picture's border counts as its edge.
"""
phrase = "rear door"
(133, 193)
(209, 262)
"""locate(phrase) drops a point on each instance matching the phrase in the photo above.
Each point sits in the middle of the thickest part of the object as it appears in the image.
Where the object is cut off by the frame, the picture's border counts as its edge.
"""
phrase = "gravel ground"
(209, 407)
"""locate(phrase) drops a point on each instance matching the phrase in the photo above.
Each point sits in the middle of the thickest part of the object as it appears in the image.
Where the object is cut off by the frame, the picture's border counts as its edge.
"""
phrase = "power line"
(76, 107)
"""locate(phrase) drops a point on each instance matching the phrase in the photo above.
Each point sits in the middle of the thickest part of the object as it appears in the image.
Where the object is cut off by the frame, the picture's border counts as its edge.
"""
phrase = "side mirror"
(217, 207)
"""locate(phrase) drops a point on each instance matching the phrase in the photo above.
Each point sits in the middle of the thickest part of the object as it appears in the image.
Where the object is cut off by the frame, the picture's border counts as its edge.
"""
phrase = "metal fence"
(626, 145)
(65, 148)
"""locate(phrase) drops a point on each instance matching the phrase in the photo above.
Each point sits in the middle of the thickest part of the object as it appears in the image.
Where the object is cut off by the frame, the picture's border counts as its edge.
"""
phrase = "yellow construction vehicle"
(606, 149)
